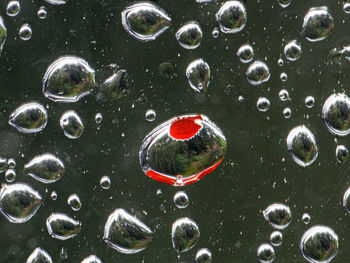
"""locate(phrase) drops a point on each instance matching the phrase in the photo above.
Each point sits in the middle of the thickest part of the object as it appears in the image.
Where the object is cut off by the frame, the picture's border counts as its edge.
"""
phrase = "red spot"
(185, 128)
(161, 177)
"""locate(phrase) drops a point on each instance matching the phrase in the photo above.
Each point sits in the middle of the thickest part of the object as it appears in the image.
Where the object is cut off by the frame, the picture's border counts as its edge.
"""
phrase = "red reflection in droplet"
(160, 177)
(185, 128)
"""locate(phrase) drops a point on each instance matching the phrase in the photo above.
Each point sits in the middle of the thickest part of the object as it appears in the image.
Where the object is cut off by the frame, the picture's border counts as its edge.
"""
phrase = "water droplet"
(302, 146)
(319, 244)
(74, 202)
(3, 33)
(189, 35)
(280, 62)
(245, 53)
(336, 114)
(263, 104)
(71, 124)
(54, 195)
(276, 238)
(145, 21)
(278, 215)
(284, 3)
(284, 95)
(346, 8)
(105, 182)
(266, 253)
(39, 255)
(56, 2)
(25, 32)
(91, 259)
(318, 23)
(10, 175)
(13, 8)
(174, 140)
(341, 153)
(45, 168)
(150, 115)
(115, 86)
(98, 118)
(68, 79)
(232, 17)
(42, 12)
(198, 75)
(62, 227)
(287, 113)
(181, 199)
(11, 163)
(292, 50)
(258, 73)
(19, 202)
(29, 118)
(125, 233)
(215, 33)
(284, 77)
(309, 102)
(306, 218)
(184, 234)
(203, 256)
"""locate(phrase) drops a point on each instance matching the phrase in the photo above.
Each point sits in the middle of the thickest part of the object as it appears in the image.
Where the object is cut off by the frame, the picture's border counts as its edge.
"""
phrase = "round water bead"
(318, 24)
(232, 17)
(276, 238)
(74, 202)
(258, 73)
(42, 12)
(11, 163)
(287, 113)
(346, 7)
(292, 50)
(245, 53)
(284, 95)
(284, 76)
(189, 35)
(266, 253)
(215, 33)
(263, 104)
(181, 199)
(25, 32)
(10, 175)
(13, 8)
(150, 115)
(278, 215)
(98, 118)
(306, 218)
(309, 102)
(105, 182)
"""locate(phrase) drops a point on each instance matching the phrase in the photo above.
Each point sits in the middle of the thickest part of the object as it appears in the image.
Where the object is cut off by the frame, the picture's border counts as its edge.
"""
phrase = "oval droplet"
(302, 146)
(232, 17)
(306, 218)
(74, 202)
(336, 114)
(263, 104)
(25, 32)
(182, 150)
(203, 256)
(278, 215)
(39, 255)
(145, 21)
(284, 95)
(13, 8)
(68, 79)
(184, 234)
(245, 53)
(276, 238)
(105, 182)
(292, 50)
(125, 233)
(28, 118)
(309, 102)
(91, 259)
(189, 35)
(266, 253)
(181, 199)
(284, 3)
(318, 24)
(71, 124)
(287, 113)
(42, 12)
(258, 73)
(198, 75)
(115, 86)
(62, 227)
(45, 168)
(341, 153)
(19, 202)
(319, 244)
(10, 175)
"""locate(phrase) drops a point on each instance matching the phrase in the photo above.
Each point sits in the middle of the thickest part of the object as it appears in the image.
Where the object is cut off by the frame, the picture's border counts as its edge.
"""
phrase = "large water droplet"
(232, 17)
(29, 118)
(278, 215)
(189, 35)
(198, 75)
(319, 244)
(318, 23)
(91, 259)
(115, 86)
(341, 153)
(258, 73)
(62, 227)
(125, 233)
(276, 238)
(45, 168)
(181, 199)
(302, 146)
(19, 202)
(71, 124)
(182, 150)
(39, 255)
(336, 114)
(245, 53)
(203, 256)
(68, 79)
(292, 50)
(145, 21)
(74, 202)
(346, 200)
(184, 234)
(25, 32)
(266, 253)
(13, 8)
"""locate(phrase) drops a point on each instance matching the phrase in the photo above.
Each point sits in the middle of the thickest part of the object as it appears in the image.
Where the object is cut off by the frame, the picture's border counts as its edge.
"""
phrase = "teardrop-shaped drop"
(145, 21)
(91, 259)
(302, 146)
(198, 75)
(45, 168)
(62, 227)
(39, 255)
(3, 34)
(115, 86)
(29, 118)
(68, 79)
(19, 202)
(125, 233)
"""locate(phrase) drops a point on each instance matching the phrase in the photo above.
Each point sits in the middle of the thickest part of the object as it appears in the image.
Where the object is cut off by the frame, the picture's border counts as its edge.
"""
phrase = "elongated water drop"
(145, 21)
(29, 118)
(62, 227)
(39, 255)
(45, 168)
(198, 75)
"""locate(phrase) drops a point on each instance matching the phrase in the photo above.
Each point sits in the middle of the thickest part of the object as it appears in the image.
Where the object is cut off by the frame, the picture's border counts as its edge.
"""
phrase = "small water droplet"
(284, 77)
(11, 163)
(203, 256)
(42, 12)
(306, 218)
(292, 50)
(98, 118)
(266, 253)
(185, 234)
(278, 215)
(181, 199)
(71, 124)
(232, 17)
(276, 238)
(105, 182)
(341, 153)
(263, 104)
(13, 8)
(258, 73)
(215, 33)
(62, 227)
(245, 53)
(309, 102)
(198, 75)
(284, 95)
(287, 113)
(25, 32)
(10, 175)
(189, 35)
(74, 202)
(54, 195)
(150, 115)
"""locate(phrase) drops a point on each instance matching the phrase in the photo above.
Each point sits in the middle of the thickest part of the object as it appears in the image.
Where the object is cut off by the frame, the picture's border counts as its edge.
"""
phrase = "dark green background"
(226, 204)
